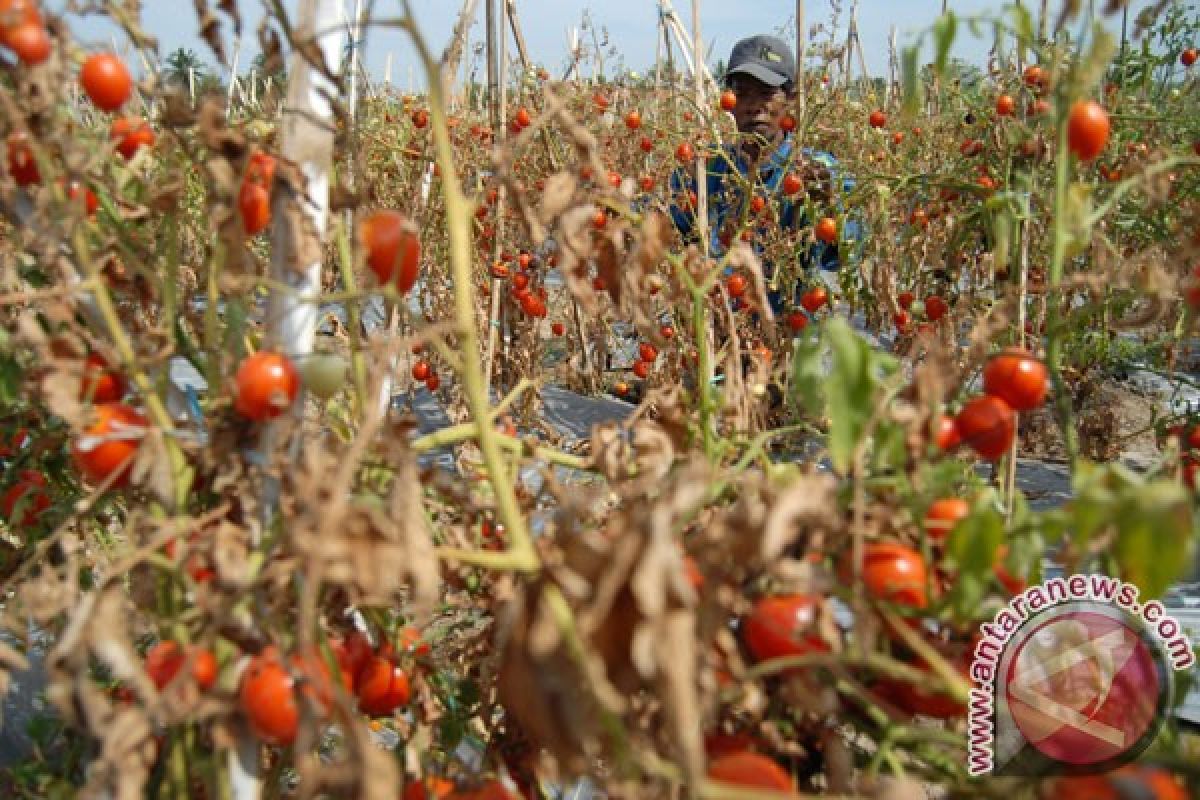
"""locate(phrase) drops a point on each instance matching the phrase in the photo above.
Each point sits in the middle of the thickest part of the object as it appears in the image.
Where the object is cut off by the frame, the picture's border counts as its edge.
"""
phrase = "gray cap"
(767, 58)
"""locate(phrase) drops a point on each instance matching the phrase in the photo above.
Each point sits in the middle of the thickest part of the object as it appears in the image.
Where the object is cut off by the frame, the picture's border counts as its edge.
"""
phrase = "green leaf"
(911, 79)
(972, 546)
(849, 392)
(943, 39)
(808, 376)
(1154, 536)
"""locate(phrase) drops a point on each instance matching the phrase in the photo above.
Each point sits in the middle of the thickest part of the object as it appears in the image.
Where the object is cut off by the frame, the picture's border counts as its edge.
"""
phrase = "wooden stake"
(801, 44)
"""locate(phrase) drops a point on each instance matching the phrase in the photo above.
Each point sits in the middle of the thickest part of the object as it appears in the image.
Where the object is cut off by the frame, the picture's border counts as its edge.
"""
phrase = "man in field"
(761, 73)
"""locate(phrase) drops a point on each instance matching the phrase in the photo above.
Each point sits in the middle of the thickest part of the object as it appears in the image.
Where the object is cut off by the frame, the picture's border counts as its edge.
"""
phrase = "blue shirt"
(726, 174)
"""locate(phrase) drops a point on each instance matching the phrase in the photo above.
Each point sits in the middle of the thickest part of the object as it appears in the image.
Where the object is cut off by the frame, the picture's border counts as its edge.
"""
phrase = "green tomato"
(324, 374)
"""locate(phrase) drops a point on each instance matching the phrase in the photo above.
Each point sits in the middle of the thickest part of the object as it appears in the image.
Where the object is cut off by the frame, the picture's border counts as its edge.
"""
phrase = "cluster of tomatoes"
(1012, 381)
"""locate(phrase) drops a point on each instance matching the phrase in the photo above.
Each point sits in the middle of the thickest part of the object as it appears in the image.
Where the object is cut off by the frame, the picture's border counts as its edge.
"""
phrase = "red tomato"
(254, 203)
(791, 186)
(433, 382)
(267, 384)
(100, 384)
(522, 117)
(1035, 76)
(641, 369)
(267, 694)
(814, 299)
(1017, 378)
(646, 144)
(943, 515)
(971, 148)
(827, 230)
(164, 660)
(987, 425)
(783, 625)
(684, 153)
(431, 787)
(410, 641)
(946, 433)
(667, 331)
(633, 120)
(1006, 106)
(1087, 129)
(420, 118)
(728, 100)
(106, 80)
(557, 328)
(905, 299)
(647, 183)
(877, 119)
(600, 101)
(736, 285)
(421, 370)
(895, 572)
(647, 352)
(21, 162)
(29, 493)
(30, 42)
(750, 770)
(392, 247)
(382, 687)
(106, 447)
(935, 308)
(797, 321)
(1188, 57)
(131, 134)
(78, 193)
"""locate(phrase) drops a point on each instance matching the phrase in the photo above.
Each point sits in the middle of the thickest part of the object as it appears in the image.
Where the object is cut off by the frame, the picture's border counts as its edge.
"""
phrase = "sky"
(631, 27)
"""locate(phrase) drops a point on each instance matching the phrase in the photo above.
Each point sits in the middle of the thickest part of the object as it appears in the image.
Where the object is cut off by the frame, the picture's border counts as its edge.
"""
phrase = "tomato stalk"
(521, 555)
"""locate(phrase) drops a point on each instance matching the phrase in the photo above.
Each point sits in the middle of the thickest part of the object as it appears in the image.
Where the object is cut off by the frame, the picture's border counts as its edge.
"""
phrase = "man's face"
(759, 107)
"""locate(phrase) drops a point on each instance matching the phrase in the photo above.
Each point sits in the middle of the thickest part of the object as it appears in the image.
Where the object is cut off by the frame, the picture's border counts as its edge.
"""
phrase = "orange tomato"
(750, 770)
(1017, 378)
(1087, 129)
(267, 384)
(943, 515)
(987, 425)
(131, 134)
(164, 660)
(106, 80)
(107, 446)
(392, 247)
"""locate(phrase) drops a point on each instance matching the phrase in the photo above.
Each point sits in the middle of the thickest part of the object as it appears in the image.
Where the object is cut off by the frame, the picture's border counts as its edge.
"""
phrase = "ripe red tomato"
(647, 144)
(797, 320)
(827, 230)
(895, 572)
(905, 299)
(783, 625)
(21, 162)
(522, 117)
(791, 186)
(267, 696)
(1006, 106)
(667, 331)
(788, 123)
(382, 687)
(30, 42)
(557, 328)
(1035, 76)
(600, 100)
(392, 247)
(1017, 378)
(431, 787)
(254, 203)
(971, 148)
(78, 193)
(433, 382)
(600, 220)
(29, 493)
(1087, 129)
(814, 299)
(684, 153)
(100, 384)
(728, 100)
(646, 183)
(946, 433)
(266, 384)
(633, 120)
(164, 660)
(1188, 57)
(749, 769)
(943, 515)
(641, 369)
(421, 370)
(987, 425)
(106, 447)
(935, 307)
(106, 80)
(877, 119)
(647, 352)
(420, 118)
(131, 134)
(736, 285)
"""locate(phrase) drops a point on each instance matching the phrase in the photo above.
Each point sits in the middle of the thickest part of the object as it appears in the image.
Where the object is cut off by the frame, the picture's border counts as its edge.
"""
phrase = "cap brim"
(758, 71)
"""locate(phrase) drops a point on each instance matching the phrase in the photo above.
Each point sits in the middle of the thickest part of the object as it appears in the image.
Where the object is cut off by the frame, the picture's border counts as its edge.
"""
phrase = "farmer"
(761, 73)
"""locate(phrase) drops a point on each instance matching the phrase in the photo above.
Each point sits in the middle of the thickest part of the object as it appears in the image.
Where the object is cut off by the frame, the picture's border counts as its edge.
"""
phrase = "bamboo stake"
(452, 55)
(701, 195)
(801, 43)
(237, 52)
(495, 114)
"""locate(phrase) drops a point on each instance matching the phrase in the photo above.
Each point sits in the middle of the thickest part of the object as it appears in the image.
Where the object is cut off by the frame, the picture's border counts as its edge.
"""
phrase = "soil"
(1114, 421)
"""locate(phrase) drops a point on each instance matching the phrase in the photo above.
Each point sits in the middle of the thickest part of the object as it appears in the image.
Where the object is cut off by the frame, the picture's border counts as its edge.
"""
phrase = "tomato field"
(284, 511)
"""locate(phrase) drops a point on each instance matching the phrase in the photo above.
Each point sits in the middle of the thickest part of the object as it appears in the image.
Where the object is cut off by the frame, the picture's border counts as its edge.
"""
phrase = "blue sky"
(631, 26)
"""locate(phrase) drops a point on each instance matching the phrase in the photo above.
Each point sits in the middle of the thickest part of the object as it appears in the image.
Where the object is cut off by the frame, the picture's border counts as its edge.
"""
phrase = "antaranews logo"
(1073, 676)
